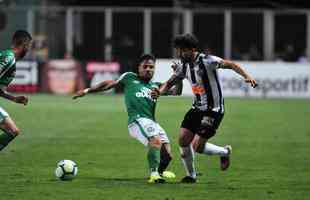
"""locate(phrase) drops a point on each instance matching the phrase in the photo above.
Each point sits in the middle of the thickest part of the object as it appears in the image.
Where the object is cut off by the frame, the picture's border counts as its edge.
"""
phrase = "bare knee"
(155, 142)
(186, 137)
(199, 144)
(8, 125)
(15, 131)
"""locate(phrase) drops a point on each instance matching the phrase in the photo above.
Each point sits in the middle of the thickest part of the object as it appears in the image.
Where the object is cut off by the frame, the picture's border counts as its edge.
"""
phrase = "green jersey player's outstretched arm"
(16, 99)
(103, 86)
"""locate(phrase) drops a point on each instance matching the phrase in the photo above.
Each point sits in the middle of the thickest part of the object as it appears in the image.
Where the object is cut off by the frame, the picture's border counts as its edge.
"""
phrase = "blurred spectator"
(253, 53)
(236, 54)
(123, 52)
(39, 50)
(289, 54)
(303, 58)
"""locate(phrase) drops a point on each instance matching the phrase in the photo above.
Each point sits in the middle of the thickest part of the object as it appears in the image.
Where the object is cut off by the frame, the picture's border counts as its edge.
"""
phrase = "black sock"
(5, 139)
(165, 159)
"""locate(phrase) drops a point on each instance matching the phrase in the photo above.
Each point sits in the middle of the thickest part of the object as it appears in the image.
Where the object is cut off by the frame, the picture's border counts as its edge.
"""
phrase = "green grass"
(270, 139)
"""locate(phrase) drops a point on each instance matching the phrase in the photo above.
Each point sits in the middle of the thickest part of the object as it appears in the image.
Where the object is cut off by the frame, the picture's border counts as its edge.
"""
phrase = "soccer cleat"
(156, 179)
(188, 179)
(225, 160)
(168, 175)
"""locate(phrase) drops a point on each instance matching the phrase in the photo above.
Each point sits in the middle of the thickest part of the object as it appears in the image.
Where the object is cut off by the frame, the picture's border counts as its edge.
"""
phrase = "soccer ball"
(66, 170)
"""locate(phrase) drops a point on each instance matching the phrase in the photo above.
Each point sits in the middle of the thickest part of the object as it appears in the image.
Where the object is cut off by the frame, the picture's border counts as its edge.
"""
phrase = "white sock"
(155, 173)
(211, 149)
(187, 157)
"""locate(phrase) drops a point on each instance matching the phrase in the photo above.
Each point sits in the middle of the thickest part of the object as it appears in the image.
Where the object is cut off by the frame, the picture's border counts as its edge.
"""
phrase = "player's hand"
(155, 93)
(79, 94)
(174, 66)
(21, 100)
(251, 81)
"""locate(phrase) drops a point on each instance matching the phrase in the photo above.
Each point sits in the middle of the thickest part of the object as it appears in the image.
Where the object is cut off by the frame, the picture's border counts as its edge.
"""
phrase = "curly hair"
(142, 58)
(20, 37)
(185, 41)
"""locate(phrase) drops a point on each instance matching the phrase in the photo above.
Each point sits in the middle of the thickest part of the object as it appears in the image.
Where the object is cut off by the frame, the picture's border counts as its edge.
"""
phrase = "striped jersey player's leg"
(10, 131)
(209, 123)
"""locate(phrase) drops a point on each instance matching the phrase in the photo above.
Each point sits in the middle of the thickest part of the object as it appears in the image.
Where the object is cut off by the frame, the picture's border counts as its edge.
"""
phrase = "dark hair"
(20, 37)
(142, 58)
(185, 41)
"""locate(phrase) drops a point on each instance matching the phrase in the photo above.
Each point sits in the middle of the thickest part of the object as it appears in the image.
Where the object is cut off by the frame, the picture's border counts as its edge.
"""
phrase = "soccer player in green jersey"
(21, 42)
(140, 103)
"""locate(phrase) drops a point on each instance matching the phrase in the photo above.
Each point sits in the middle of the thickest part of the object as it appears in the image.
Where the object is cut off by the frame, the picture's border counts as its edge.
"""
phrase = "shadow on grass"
(132, 181)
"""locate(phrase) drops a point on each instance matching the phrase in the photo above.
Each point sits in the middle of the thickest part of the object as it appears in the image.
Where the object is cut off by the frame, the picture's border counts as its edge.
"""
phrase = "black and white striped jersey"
(202, 75)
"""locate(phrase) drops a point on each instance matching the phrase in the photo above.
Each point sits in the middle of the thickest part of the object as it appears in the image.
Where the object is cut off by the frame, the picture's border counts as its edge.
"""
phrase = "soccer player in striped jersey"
(21, 42)
(202, 120)
(140, 104)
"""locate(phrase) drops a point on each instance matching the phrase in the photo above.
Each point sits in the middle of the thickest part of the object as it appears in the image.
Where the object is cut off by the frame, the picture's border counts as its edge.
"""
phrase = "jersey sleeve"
(180, 71)
(215, 62)
(157, 84)
(125, 78)
(6, 62)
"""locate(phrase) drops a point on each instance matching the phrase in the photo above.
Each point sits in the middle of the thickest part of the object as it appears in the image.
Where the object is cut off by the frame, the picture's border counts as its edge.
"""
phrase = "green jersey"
(138, 100)
(7, 67)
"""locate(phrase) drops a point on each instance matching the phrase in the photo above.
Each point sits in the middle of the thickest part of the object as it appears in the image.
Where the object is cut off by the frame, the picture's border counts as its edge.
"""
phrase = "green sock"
(153, 157)
(5, 139)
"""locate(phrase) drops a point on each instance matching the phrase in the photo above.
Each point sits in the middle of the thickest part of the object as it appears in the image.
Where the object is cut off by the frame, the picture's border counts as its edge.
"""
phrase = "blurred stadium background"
(78, 43)
(89, 41)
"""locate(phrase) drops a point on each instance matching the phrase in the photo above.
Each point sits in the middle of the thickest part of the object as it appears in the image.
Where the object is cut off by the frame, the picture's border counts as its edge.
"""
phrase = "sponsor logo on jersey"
(198, 89)
(145, 93)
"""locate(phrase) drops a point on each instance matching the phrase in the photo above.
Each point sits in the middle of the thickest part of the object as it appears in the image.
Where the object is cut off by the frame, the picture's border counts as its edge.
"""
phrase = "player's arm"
(227, 64)
(103, 86)
(176, 89)
(173, 80)
(16, 99)
(168, 88)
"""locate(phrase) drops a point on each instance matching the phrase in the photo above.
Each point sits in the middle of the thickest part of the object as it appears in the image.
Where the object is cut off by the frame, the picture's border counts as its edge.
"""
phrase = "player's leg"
(145, 131)
(10, 130)
(165, 154)
(153, 154)
(209, 125)
(187, 133)
(165, 159)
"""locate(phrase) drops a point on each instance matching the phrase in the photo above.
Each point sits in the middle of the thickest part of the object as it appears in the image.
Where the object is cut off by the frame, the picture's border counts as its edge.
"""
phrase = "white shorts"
(3, 114)
(143, 129)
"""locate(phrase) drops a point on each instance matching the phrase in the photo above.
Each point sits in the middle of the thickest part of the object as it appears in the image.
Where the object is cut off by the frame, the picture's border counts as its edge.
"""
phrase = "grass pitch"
(270, 159)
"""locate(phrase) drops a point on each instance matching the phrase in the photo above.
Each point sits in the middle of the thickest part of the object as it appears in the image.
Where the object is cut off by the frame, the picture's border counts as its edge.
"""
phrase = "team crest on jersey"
(7, 59)
(150, 129)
